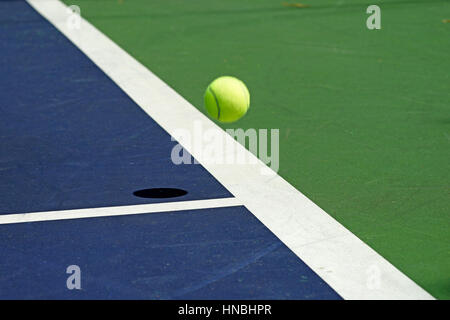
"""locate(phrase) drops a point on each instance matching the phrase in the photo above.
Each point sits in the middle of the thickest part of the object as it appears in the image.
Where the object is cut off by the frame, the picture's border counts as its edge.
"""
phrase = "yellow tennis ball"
(227, 99)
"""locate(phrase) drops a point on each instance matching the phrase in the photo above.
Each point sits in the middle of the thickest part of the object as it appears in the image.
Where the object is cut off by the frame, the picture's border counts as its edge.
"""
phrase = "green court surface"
(364, 115)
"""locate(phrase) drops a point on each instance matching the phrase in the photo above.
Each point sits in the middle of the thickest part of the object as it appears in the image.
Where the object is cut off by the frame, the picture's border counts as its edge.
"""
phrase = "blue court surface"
(70, 138)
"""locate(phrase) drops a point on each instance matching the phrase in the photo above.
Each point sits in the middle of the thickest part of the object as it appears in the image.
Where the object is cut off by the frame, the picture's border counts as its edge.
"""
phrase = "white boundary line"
(119, 210)
(346, 263)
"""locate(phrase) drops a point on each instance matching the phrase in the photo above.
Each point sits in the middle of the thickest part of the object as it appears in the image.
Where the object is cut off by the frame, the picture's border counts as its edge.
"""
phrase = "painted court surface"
(65, 146)
(71, 139)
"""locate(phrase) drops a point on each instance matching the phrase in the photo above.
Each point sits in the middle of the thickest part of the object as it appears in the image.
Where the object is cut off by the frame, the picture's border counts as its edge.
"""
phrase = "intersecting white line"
(118, 210)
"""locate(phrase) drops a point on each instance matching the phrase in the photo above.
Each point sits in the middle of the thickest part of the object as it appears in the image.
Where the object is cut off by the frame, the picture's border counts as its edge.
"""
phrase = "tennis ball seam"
(217, 102)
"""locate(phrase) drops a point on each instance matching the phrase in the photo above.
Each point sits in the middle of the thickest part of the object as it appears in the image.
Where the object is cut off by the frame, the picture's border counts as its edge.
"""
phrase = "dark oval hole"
(160, 193)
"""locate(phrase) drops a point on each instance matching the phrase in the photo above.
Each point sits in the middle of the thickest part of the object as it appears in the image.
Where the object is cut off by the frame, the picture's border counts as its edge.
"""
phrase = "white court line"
(346, 263)
(119, 210)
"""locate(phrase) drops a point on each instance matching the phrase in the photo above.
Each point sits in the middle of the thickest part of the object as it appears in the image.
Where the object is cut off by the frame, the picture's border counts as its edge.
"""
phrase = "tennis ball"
(227, 99)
